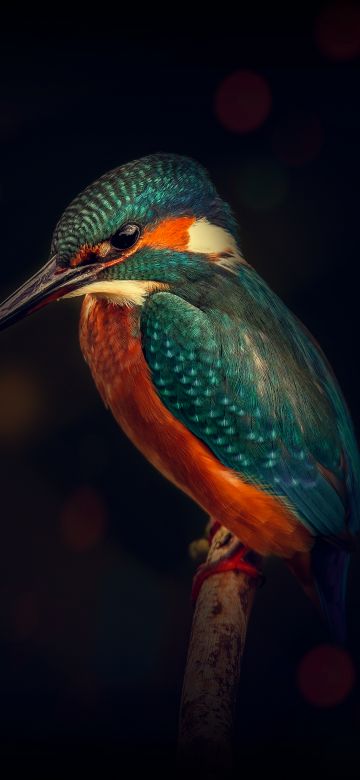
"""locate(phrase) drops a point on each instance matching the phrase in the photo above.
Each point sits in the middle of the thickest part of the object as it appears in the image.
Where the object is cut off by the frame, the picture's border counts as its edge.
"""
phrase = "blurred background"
(95, 575)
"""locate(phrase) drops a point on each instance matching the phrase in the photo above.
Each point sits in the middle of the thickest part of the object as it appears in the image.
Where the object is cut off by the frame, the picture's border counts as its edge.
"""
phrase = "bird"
(206, 370)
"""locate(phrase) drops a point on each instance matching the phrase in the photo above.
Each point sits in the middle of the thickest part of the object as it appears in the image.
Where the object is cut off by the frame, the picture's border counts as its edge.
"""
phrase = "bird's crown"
(143, 191)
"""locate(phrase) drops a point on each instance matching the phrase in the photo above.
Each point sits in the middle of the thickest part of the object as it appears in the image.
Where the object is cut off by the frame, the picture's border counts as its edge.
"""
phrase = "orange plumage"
(110, 341)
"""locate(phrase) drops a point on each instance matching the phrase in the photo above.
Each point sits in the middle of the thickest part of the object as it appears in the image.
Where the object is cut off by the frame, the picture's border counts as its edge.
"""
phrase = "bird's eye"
(126, 237)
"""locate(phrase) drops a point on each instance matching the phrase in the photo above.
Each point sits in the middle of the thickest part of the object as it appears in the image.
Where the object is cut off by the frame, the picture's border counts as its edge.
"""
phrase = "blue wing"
(247, 379)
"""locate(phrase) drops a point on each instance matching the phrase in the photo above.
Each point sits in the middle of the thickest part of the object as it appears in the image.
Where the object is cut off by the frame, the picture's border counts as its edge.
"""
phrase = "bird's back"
(234, 365)
(310, 387)
(279, 417)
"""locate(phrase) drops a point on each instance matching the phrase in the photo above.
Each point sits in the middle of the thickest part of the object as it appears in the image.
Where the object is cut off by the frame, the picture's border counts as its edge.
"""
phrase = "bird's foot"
(235, 558)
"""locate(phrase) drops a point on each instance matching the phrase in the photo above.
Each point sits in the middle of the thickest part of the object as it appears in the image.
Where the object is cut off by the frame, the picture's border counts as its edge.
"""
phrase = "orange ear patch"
(172, 233)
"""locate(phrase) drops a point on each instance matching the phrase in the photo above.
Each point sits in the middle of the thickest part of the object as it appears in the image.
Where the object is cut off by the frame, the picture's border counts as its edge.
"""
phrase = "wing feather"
(269, 419)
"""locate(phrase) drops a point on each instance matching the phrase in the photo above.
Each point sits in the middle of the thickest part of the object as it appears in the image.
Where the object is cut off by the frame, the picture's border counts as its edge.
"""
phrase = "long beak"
(48, 284)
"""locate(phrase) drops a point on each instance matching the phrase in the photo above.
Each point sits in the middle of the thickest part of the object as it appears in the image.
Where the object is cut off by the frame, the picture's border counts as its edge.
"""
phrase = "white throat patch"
(122, 291)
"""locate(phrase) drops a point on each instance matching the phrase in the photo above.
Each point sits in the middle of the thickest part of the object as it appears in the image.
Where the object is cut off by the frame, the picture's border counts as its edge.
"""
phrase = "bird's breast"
(111, 343)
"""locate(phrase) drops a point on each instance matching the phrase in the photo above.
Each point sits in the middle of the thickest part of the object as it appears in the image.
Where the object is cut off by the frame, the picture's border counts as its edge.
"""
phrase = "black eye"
(126, 237)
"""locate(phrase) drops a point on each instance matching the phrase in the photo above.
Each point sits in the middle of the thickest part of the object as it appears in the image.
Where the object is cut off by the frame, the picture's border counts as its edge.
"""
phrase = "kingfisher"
(206, 370)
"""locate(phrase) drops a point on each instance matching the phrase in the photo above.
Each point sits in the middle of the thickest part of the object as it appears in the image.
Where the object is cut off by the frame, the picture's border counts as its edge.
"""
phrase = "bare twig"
(213, 664)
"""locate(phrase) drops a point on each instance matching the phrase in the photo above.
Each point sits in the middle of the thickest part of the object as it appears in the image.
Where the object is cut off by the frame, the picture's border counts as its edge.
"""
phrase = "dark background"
(95, 611)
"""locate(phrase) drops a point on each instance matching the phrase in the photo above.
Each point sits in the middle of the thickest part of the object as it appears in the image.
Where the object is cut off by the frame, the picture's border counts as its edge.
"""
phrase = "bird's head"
(155, 221)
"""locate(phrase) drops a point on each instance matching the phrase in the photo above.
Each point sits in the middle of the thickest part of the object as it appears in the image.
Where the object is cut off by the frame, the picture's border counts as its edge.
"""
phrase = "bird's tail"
(330, 565)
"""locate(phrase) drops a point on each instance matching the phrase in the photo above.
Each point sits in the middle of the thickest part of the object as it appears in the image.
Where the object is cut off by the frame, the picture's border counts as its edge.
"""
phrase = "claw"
(234, 562)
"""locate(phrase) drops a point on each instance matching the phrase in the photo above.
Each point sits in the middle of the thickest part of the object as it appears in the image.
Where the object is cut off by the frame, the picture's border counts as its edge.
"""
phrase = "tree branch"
(213, 663)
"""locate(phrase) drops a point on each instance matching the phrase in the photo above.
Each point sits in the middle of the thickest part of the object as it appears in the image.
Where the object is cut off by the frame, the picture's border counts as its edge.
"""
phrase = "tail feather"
(330, 565)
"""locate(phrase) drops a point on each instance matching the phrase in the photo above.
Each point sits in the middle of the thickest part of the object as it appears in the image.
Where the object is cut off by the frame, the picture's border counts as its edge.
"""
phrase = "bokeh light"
(326, 675)
(243, 101)
(298, 139)
(337, 31)
(262, 184)
(83, 519)
(21, 402)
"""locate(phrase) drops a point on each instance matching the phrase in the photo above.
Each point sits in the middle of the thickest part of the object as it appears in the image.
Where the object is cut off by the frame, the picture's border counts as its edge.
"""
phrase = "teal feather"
(226, 356)
(239, 370)
(251, 382)
(142, 191)
(229, 359)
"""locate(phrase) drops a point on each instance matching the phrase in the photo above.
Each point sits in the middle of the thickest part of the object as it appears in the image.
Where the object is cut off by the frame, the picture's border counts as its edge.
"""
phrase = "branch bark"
(213, 664)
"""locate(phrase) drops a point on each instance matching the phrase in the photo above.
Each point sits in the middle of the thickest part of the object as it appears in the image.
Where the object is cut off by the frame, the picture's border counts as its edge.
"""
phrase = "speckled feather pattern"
(143, 191)
(227, 357)
(254, 390)
(109, 337)
(218, 384)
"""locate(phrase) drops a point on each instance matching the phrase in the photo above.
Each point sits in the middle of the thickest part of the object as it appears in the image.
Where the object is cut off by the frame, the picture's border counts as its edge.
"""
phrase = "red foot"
(235, 562)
